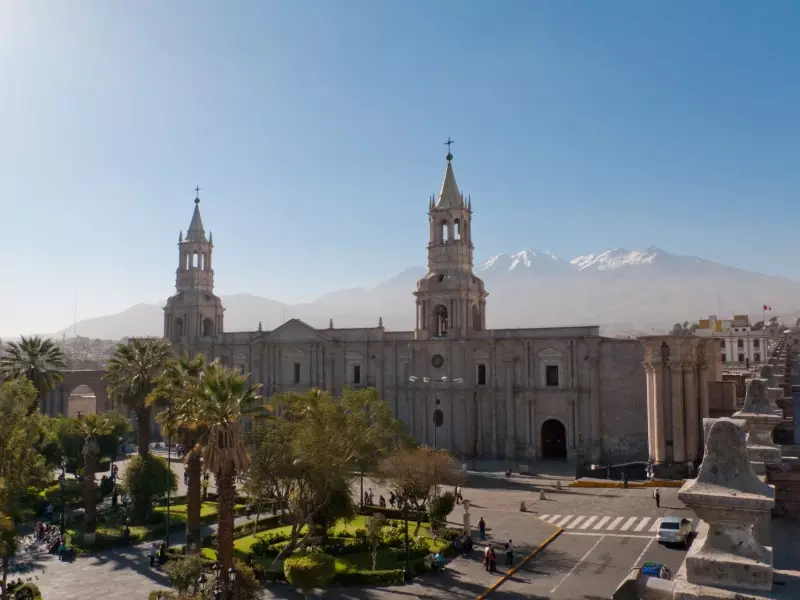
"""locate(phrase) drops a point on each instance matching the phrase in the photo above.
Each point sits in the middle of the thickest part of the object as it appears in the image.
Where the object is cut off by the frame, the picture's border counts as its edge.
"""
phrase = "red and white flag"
(767, 307)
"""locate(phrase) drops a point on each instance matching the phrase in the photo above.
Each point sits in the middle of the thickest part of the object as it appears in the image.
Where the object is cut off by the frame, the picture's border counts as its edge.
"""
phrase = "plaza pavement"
(584, 563)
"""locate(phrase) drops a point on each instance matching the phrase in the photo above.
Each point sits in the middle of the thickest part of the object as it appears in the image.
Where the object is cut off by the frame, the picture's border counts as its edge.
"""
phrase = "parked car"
(674, 530)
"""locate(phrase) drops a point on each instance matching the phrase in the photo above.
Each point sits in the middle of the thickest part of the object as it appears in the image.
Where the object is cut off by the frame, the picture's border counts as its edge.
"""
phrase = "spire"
(180, 236)
(196, 232)
(449, 196)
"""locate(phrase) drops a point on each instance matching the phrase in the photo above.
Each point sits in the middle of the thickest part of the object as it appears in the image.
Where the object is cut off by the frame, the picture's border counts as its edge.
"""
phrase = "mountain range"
(626, 292)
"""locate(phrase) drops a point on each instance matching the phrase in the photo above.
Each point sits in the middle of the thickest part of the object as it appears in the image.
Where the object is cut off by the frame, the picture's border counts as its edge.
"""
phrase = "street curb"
(522, 563)
(631, 484)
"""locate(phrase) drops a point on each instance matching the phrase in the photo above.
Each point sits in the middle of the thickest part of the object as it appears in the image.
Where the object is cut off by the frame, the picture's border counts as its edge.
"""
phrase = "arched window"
(208, 327)
(440, 320)
(476, 318)
(195, 260)
(178, 327)
(188, 261)
(443, 228)
(457, 229)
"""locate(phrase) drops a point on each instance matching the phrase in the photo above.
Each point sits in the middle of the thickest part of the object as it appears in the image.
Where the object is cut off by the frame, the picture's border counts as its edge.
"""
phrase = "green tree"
(145, 479)
(415, 474)
(131, 376)
(90, 428)
(23, 469)
(374, 528)
(184, 573)
(224, 397)
(39, 361)
(176, 393)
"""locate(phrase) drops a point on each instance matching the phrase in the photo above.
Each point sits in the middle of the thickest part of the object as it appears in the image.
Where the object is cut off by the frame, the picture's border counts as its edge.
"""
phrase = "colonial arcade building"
(506, 393)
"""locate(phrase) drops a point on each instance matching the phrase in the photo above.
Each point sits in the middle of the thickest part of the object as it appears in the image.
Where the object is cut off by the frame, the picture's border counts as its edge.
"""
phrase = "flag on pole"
(767, 307)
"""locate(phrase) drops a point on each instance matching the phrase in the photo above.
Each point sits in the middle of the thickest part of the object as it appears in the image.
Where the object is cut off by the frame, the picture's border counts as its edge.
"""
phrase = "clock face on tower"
(437, 361)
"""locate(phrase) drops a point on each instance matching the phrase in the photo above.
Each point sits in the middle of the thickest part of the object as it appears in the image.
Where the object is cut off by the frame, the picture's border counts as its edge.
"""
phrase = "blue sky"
(316, 131)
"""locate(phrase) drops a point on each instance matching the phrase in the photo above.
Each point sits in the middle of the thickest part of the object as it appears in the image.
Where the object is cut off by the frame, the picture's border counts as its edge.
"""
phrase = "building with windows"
(739, 344)
(513, 393)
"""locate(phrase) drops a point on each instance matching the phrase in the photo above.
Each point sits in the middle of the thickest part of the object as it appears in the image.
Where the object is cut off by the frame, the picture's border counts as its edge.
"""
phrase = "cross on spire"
(197, 194)
(449, 143)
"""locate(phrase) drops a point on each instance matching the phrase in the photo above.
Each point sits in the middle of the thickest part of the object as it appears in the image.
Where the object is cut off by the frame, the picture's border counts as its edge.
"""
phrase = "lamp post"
(405, 560)
(62, 483)
(169, 470)
(223, 587)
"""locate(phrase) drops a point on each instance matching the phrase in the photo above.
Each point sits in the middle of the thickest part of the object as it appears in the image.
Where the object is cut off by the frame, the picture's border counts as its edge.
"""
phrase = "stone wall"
(623, 395)
(786, 479)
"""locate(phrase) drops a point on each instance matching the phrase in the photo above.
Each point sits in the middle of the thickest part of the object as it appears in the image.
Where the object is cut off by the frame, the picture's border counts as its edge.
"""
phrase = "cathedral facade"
(502, 393)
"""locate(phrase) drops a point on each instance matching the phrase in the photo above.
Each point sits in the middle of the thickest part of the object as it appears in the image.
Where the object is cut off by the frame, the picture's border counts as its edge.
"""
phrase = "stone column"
(649, 374)
(596, 442)
(691, 416)
(660, 401)
(511, 417)
(731, 499)
(677, 403)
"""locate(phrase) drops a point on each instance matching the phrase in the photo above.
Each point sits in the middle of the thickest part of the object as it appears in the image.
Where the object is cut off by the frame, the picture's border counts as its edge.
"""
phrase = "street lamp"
(62, 483)
(169, 469)
(405, 561)
(201, 583)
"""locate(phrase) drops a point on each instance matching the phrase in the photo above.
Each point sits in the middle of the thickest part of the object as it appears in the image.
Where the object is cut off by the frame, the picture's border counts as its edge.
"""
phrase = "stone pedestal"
(760, 419)
(731, 499)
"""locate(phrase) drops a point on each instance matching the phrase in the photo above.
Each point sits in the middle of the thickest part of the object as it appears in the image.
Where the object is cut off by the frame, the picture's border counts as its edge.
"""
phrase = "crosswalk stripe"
(553, 519)
(544, 517)
(654, 526)
(563, 521)
(613, 525)
(575, 523)
(642, 524)
(588, 522)
(601, 522)
(628, 523)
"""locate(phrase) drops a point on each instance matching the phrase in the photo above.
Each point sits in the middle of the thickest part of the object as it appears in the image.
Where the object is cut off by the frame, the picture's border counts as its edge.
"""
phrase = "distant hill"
(626, 292)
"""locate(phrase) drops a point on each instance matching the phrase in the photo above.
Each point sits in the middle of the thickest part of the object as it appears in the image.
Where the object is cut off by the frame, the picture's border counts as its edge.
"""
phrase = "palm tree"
(131, 375)
(224, 397)
(91, 427)
(176, 390)
(40, 361)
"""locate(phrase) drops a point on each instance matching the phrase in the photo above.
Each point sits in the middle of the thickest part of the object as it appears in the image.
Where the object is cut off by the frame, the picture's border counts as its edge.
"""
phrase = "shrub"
(441, 506)
(147, 478)
(183, 573)
(27, 590)
(309, 571)
(451, 535)
(246, 586)
(361, 577)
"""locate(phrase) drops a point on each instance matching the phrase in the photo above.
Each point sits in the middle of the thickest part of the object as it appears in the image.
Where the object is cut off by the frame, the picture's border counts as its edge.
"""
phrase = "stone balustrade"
(731, 499)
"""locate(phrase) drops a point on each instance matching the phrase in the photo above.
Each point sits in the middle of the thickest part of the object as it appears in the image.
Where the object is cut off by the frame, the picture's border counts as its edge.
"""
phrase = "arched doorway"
(81, 401)
(554, 440)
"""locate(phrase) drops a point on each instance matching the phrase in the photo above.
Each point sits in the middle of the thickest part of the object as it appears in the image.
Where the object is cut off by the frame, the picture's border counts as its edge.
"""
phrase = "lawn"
(388, 558)
(207, 509)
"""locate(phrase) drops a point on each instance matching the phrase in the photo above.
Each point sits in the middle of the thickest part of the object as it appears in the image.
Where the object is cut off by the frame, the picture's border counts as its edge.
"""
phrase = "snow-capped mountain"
(620, 290)
(616, 258)
(530, 261)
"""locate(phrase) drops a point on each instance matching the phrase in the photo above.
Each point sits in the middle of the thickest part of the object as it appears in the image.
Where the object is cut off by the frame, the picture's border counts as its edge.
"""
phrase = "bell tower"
(451, 300)
(194, 311)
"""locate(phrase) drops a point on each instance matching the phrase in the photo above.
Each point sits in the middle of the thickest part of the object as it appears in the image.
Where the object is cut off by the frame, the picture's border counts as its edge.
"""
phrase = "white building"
(740, 345)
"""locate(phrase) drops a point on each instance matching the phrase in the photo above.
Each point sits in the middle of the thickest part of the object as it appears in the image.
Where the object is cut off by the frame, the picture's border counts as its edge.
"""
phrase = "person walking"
(509, 553)
(657, 497)
(482, 528)
(153, 554)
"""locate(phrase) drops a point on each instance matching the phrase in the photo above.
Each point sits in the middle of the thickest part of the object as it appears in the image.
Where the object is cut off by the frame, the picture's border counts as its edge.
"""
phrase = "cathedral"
(518, 394)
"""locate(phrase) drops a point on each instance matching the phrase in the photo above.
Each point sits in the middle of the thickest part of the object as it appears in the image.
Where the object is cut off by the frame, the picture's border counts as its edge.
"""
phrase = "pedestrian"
(391, 499)
(482, 528)
(492, 560)
(458, 495)
(657, 496)
(625, 479)
(486, 554)
(153, 553)
(509, 553)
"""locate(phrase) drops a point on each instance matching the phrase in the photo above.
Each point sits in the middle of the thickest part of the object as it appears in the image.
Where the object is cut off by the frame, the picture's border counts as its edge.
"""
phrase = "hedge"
(393, 513)
(268, 522)
(36, 594)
